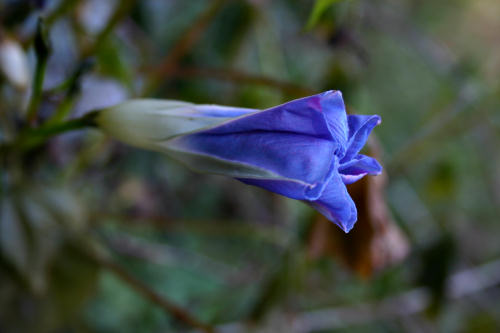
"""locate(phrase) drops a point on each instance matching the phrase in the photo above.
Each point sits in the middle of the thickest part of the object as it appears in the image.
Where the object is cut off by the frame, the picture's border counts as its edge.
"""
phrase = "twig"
(86, 63)
(241, 77)
(88, 120)
(36, 91)
(72, 87)
(34, 136)
(62, 8)
(42, 51)
(120, 12)
(169, 307)
(182, 46)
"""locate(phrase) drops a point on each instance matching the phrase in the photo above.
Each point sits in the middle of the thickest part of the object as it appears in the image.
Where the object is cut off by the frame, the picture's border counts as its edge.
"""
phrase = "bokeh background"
(96, 236)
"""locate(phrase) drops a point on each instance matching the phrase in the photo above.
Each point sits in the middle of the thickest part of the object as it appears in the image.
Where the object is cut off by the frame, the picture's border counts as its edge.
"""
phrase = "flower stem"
(41, 65)
(46, 131)
(42, 50)
(32, 137)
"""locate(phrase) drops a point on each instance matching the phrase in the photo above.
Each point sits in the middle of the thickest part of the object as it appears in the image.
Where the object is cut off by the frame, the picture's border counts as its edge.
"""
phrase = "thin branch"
(42, 51)
(72, 88)
(123, 8)
(168, 306)
(63, 7)
(47, 131)
(32, 137)
(182, 46)
(86, 63)
(36, 91)
(241, 77)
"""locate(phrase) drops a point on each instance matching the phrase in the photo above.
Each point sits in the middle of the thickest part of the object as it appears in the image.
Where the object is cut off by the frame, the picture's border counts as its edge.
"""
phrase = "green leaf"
(319, 8)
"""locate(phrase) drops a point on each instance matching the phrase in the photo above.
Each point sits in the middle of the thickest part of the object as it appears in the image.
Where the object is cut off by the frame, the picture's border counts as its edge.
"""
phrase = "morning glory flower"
(306, 149)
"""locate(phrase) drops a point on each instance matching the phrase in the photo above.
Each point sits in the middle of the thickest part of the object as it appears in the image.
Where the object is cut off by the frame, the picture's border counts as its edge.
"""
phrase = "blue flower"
(306, 149)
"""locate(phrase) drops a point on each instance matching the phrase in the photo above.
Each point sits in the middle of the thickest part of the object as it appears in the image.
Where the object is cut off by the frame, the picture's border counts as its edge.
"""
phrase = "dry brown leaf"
(374, 243)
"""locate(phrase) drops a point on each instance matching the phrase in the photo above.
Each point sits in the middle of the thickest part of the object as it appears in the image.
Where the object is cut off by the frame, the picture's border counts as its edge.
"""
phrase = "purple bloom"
(306, 149)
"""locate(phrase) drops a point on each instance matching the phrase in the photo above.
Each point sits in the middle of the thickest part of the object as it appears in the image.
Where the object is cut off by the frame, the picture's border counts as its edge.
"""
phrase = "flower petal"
(287, 187)
(321, 116)
(147, 123)
(359, 129)
(333, 107)
(297, 140)
(294, 188)
(306, 149)
(208, 164)
(220, 111)
(336, 204)
(358, 167)
(304, 160)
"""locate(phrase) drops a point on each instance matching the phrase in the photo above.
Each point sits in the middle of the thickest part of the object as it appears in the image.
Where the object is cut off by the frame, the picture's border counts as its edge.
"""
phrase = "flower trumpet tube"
(306, 149)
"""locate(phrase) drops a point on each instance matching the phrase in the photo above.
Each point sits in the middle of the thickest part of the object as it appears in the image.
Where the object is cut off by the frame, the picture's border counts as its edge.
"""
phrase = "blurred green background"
(96, 236)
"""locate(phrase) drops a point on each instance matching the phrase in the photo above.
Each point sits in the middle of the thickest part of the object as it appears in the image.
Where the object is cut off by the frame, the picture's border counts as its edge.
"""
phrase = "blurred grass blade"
(42, 50)
(320, 6)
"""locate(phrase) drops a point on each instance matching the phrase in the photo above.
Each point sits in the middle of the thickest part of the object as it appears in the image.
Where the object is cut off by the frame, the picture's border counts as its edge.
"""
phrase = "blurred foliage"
(320, 6)
(99, 237)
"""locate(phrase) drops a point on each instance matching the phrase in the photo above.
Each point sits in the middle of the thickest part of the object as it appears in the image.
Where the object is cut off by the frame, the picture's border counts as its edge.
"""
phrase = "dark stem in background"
(62, 8)
(42, 51)
(49, 130)
(36, 93)
(72, 87)
(143, 289)
(181, 47)
(122, 10)
(32, 137)
(241, 77)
